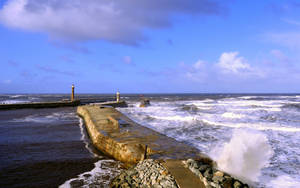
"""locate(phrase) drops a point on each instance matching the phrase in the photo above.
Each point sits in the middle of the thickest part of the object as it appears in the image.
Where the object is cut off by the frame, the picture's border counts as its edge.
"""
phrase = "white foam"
(176, 118)
(16, 96)
(14, 101)
(284, 181)
(102, 174)
(246, 97)
(61, 116)
(257, 126)
(245, 155)
(85, 139)
(232, 115)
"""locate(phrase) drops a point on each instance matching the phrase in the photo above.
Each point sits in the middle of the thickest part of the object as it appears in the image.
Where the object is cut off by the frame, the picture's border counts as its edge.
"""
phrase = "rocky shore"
(147, 173)
(212, 177)
(151, 173)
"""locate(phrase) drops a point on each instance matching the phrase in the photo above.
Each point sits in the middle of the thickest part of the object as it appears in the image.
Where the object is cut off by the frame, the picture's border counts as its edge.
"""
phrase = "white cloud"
(230, 62)
(199, 64)
(120, 21)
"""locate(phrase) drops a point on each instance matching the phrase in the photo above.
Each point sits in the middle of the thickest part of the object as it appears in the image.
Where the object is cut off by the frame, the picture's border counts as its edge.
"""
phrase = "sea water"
(253, 137)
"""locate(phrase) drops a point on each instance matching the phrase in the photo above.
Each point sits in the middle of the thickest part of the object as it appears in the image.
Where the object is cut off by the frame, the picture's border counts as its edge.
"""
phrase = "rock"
(87, 175)
(144, 102)
(157, 186)
(195, 171)
(77, 183)
(125, 185)
(219, 173)
(237, 184)
(227, 183)
(202, 168)
(189, 162)
(192, 108)
(218, 179)
(146, 173)
(208, 173)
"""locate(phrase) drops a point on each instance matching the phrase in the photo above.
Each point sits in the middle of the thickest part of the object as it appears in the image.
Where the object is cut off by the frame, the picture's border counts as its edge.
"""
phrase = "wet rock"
(227, 183)
(144, 102)
(212, 177)
(87, 175)
(77, 183)
(237, 184)
(203, 168)
(191, 108)
(208, 173)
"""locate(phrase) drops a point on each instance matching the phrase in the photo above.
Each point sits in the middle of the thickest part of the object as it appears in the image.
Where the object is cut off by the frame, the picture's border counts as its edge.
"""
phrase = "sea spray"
(244, 155)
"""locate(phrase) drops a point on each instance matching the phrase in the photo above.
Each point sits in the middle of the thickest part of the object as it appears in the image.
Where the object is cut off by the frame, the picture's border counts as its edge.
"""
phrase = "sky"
(157, 46)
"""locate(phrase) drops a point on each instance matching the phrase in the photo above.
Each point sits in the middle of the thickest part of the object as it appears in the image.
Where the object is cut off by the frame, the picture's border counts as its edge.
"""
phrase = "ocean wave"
(57, 116)
(232, 115)
(256, 126)
(284, 181)
(176, 118)
(100, 176)
(292, 105)
(14, 101)
(16, 96)
(243, 157)
(247, 97)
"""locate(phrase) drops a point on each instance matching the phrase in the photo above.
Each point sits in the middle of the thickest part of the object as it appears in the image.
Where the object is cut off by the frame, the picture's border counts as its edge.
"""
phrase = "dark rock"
(191, 108)
(227, 183)
(77, 183)
(145, 102)
(203, 168)
(208, 173)
(87, 175)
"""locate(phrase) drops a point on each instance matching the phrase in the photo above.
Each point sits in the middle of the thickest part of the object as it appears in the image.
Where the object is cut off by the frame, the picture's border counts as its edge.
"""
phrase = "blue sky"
(141, 46)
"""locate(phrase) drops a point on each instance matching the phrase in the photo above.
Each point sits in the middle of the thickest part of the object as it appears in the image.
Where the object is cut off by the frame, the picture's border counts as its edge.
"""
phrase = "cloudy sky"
(143, 46)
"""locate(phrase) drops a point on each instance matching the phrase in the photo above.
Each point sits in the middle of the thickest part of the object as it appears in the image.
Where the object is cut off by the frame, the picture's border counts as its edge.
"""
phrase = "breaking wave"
(244, 155)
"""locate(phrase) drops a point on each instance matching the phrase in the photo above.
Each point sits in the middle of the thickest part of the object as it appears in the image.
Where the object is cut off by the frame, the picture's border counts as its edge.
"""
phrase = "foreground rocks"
(147, 173)
(212, 177)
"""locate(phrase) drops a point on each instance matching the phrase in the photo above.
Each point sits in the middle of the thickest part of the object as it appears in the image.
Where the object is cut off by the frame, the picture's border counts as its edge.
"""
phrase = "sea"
(254, 137)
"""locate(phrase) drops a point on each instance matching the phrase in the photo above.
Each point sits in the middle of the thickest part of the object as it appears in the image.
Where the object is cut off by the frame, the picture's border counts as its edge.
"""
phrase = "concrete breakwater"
(123, 139)
(56, 104)
(64, 103)
(118, 136)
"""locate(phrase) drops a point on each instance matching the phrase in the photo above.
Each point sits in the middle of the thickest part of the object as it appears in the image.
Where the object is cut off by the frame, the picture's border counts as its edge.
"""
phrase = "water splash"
(244, 155)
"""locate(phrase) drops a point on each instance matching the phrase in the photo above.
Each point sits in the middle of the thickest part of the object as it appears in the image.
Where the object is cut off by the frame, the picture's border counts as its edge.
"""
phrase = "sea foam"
(100, 176)
(244, 155)
(284, 181)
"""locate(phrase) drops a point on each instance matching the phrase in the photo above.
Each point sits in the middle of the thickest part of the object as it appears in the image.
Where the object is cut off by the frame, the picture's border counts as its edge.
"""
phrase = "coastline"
(127, 143)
